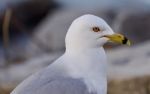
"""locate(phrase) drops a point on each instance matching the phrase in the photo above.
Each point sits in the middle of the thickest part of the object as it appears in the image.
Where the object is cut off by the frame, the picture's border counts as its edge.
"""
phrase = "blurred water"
(102, 3)
(93, 4)
(84, 3)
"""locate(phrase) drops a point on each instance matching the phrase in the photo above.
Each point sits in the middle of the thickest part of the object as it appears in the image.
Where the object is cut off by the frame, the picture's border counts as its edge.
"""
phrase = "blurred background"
(32, 34)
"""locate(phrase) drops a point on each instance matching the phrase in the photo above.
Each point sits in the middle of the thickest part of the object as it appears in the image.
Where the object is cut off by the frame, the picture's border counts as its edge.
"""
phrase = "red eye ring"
(96, 29)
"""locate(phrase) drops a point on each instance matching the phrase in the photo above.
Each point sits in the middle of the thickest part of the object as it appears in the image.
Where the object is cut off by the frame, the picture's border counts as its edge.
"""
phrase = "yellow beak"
(118, 38)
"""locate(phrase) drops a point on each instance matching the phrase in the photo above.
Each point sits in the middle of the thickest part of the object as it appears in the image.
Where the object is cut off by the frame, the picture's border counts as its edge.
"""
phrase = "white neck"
(91, 67)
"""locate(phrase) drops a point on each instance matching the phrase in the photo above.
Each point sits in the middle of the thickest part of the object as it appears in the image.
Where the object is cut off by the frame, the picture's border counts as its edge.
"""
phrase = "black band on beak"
(125, 40)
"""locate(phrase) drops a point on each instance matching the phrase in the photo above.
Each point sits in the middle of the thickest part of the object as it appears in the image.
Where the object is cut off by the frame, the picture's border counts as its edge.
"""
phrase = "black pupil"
(96, 29)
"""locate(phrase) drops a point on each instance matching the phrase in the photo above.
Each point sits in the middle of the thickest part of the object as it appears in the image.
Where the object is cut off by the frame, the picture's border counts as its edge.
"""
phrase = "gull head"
(91, 31)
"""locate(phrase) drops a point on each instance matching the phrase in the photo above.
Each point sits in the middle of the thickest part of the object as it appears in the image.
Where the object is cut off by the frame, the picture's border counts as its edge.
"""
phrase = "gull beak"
(118, 38)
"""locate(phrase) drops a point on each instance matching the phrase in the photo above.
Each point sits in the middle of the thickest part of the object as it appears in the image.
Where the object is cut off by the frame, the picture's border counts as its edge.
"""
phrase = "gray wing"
(53, 84)
(63, 86)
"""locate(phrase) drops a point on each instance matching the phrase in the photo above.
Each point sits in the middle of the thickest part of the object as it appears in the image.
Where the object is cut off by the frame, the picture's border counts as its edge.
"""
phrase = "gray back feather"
(46, 82)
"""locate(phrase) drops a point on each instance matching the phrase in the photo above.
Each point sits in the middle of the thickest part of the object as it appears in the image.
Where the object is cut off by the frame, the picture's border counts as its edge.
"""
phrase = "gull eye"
(96, 29)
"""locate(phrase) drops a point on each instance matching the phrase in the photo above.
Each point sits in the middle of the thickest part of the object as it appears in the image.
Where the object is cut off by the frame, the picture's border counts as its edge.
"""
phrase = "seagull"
(82, 69)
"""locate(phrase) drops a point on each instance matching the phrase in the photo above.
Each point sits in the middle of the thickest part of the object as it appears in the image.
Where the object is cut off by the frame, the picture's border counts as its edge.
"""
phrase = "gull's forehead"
(90, 19)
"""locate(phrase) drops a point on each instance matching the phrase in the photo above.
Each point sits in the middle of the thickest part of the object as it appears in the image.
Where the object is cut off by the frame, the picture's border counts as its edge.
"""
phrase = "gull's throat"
(91, 67)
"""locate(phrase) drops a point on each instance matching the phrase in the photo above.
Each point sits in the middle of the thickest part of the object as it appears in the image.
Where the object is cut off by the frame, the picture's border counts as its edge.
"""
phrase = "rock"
(129, 70)
(26, 14)
(16, 73)
(139, 85)
(126, 63)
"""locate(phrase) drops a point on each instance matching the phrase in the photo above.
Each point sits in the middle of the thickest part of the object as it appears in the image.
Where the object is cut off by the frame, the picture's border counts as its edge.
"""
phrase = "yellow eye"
(96, 29)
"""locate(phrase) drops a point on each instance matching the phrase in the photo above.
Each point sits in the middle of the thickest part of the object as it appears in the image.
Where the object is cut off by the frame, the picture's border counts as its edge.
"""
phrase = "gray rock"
(16, 73)
(129, 62)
